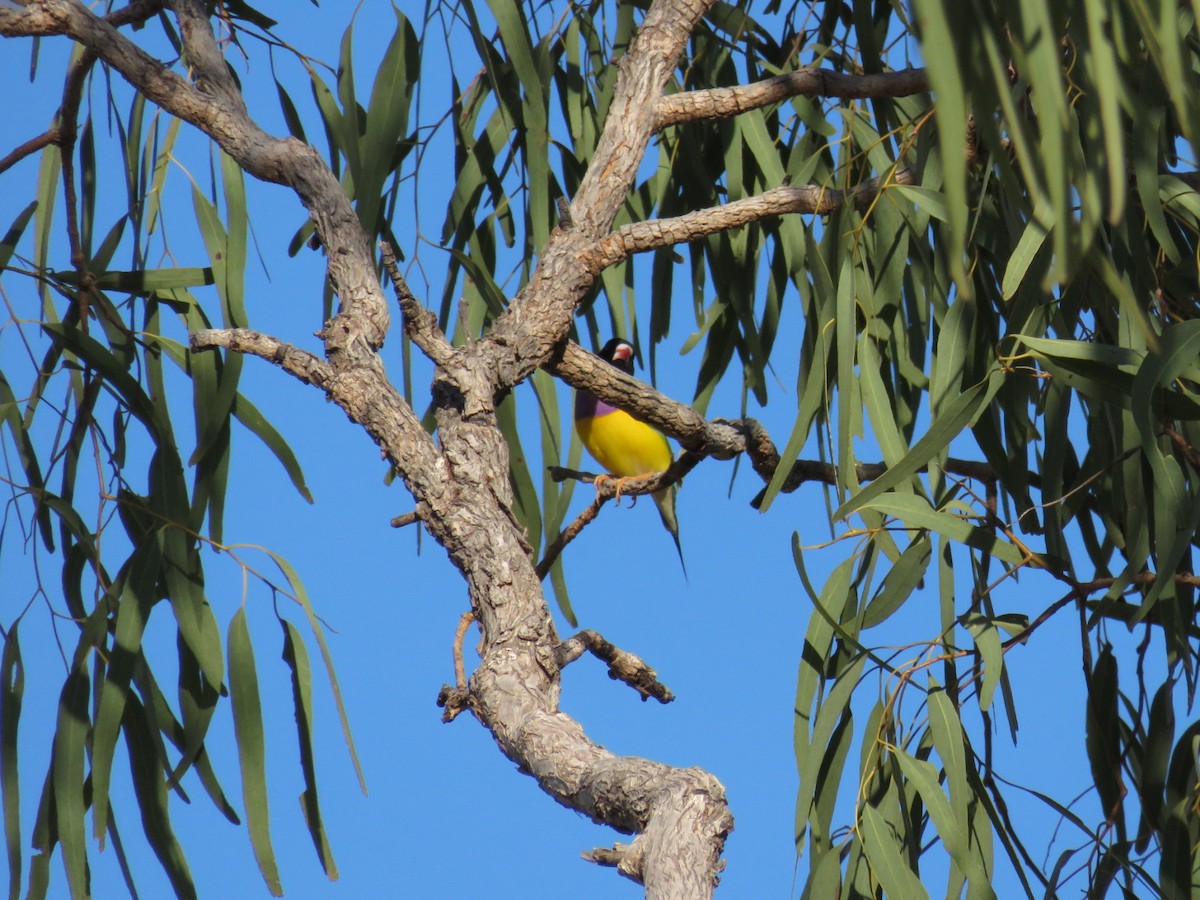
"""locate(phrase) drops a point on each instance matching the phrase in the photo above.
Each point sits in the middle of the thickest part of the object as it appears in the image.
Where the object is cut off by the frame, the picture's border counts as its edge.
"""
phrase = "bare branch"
(28, 21)
(622, 665)
(722, 103)
(610, 488)
(31, 146)
(538, 320)
(718, 438)
(363, 392)
(572, 531)
(460, 633)
(214, 106)
(420, 324)
(308, 368)
(655, 234)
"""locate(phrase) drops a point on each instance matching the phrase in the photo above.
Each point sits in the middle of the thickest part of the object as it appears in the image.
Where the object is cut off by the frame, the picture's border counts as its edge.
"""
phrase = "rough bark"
(461, 484)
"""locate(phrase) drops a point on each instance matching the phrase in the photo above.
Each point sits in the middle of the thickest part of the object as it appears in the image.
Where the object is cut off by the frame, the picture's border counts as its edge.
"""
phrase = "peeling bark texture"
(460, 484)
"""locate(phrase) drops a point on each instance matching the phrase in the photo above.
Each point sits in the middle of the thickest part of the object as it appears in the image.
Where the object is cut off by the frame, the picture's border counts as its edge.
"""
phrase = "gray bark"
(460, 484)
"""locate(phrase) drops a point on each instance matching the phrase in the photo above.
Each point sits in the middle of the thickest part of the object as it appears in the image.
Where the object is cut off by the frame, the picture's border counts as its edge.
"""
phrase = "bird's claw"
(600, 480)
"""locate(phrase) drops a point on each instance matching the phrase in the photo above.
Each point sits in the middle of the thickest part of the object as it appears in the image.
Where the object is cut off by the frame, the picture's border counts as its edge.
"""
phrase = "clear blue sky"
(447, 815)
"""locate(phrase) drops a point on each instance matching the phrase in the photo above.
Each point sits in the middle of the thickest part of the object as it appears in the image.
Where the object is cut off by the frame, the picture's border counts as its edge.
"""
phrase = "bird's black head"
(619, 352)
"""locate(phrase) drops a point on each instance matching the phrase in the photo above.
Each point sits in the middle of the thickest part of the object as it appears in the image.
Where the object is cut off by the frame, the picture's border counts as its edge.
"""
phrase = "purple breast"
(588, 406)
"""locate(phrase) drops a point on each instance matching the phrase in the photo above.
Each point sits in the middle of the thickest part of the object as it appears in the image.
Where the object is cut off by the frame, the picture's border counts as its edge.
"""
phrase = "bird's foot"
(618, 481)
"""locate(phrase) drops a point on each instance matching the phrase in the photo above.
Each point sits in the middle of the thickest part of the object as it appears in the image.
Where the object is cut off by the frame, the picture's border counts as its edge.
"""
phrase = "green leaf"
(927, 200)
(899, 583)
(138, 583)
(987, 642)
(70, 737)
(8, 243)
(1032, 239)
(250, 416)
(386, 118)
(1178, 349)
(939, 46)
(887, 862)
(953, 830)
(12, 695)
(950, 742)
(296, 657)
(956, 416)
(527, 506)
(1109, 90)
(145, 767)
(301, 597)
(145, 282)
(1103, 734)
(10, 415)
(248, 729)
(116, 376)
(1160, 736)
(915, 512)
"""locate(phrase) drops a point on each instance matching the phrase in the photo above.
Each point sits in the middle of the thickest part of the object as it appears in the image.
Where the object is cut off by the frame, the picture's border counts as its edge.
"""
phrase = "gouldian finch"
(624, 446)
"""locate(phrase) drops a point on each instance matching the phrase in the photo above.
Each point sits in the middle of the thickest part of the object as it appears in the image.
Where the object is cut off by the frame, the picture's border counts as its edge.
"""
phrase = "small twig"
(627, 859)
(606, 856)
(571, 532)
(408, 518)
(1120, 611)
(31, 146)
(1189, 452)
(460, 633)
(622, 665)
(609, 488)
(420, 324)
(804, 470)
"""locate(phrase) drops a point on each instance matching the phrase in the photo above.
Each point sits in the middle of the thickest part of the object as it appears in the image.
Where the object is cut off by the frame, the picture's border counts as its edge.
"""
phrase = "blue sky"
(446, 814)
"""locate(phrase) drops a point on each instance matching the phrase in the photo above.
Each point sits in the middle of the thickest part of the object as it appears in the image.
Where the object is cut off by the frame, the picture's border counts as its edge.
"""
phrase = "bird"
(624, 446)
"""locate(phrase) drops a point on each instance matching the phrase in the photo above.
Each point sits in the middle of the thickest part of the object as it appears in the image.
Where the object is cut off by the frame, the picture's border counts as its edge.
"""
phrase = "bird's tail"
(665, 501)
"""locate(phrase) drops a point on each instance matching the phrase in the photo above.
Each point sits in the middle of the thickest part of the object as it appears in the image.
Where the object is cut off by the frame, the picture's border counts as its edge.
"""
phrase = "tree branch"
(539, 318)
(420, 324)
(214, 106)
(308, 368)
(722, 103)
(610, 488)
(655, 234)
(31, 146)
(463, 487)
(622, 665)
(582, 370)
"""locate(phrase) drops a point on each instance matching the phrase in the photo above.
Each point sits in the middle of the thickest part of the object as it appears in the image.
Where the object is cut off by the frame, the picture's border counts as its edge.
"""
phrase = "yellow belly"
(623, 445)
